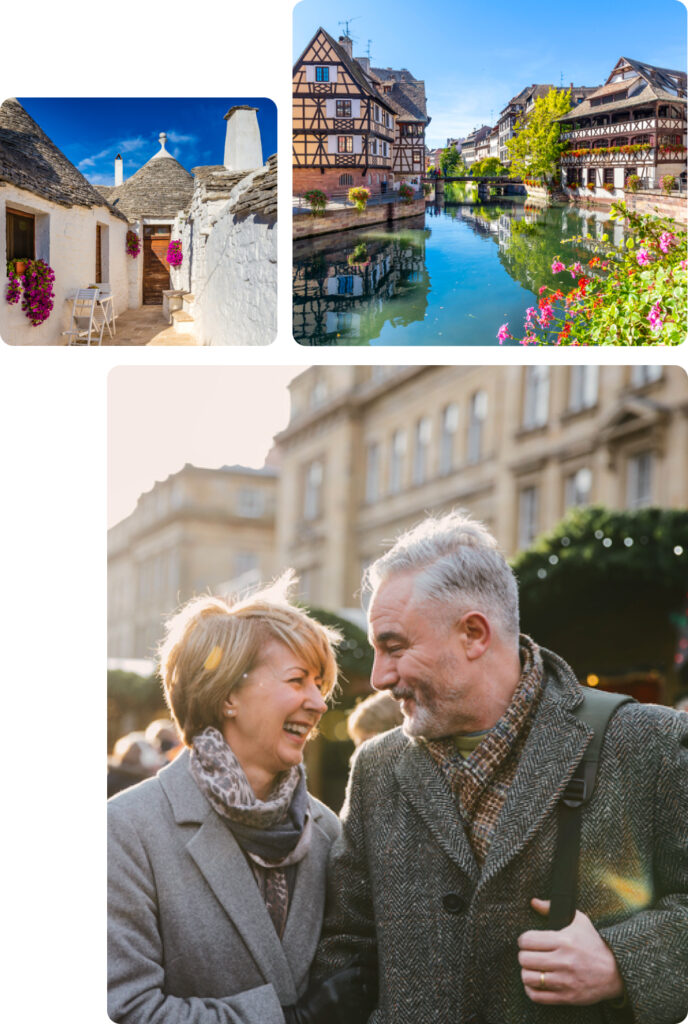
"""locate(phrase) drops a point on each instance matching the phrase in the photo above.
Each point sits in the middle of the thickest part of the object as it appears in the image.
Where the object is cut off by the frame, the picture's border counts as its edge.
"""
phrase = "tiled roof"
(31, 161)
(655, 78)
(158, 189)
(407, 96)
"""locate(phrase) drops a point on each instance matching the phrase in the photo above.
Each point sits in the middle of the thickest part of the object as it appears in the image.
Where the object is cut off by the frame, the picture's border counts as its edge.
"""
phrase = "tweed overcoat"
(189, 937)
(403, 879)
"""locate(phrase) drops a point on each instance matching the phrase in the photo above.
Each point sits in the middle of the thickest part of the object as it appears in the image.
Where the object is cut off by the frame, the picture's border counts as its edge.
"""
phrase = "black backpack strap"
(597, 708)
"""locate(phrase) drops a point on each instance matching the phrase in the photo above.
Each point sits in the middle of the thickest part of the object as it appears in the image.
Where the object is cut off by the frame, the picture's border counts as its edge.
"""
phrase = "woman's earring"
(230, 712)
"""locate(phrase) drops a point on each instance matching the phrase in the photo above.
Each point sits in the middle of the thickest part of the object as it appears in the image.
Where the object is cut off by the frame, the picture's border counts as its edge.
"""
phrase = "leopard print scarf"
(273, 834)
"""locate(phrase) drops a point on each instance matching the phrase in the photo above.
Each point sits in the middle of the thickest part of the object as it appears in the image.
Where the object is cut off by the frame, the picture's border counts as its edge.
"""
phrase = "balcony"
(646, 124)
(641, 159)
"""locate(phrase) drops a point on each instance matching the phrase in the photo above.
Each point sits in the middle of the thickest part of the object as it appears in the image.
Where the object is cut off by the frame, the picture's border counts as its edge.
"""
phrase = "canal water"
(451, 277)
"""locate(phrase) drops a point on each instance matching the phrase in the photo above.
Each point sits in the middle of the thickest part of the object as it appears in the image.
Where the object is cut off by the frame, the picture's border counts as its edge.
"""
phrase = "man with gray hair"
(445, 864)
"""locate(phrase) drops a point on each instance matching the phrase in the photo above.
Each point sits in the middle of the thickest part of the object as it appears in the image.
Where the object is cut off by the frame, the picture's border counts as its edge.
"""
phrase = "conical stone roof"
(160, 188)
(31, 161)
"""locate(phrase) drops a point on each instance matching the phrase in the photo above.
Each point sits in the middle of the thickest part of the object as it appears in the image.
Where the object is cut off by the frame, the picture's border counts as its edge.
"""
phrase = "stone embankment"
(306, 225)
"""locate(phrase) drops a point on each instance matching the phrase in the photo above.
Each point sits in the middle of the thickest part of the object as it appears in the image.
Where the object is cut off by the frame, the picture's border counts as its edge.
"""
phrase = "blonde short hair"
(213, 642)
(377, 713)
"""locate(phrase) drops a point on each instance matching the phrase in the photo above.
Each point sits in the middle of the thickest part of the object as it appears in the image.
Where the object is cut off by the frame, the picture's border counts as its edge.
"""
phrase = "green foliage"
(317, 200)
(359, 196)
(537, 145)
(354, 654)
(490, 167)
(451, 162)
(603, 588)
(632, 295)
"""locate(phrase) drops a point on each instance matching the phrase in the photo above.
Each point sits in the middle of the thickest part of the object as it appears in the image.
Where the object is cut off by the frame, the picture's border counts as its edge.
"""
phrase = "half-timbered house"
(407, 96)
(634, 124)
(343, 128)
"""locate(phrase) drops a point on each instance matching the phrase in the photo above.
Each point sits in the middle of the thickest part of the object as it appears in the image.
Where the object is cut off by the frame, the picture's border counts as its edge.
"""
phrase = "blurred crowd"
(139, 755)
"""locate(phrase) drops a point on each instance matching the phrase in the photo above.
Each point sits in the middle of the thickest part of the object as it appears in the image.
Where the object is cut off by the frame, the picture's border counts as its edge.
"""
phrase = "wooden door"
(156, 271)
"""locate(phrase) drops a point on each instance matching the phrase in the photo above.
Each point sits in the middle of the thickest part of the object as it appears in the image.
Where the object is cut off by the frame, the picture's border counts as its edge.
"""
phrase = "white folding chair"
(88, 319)
(107, 303)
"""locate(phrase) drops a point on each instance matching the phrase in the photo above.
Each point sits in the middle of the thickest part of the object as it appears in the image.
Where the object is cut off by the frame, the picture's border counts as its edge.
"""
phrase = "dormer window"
(322, 74)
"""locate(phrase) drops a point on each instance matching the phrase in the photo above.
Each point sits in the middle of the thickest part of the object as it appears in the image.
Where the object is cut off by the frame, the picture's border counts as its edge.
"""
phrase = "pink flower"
(654, 316)
(543, 289)
(643, 257)
(683, 264)
(666, 241)
(530, 313)
(529, 339)
(557, 267)
(503, 333)
(576, 269)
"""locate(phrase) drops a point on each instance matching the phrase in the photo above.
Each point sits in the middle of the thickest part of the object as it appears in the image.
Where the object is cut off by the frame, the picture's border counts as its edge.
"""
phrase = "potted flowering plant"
(37, 284)
(175, 256)
(406, 193)
(359, 196)
(608, 187)
(666, 183)
(133, 244)
(632, 183)
(590, 186)
(317, 200)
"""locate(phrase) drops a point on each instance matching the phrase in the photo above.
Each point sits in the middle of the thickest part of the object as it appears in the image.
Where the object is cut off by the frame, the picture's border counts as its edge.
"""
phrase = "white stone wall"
(66, 240)
(237, 303)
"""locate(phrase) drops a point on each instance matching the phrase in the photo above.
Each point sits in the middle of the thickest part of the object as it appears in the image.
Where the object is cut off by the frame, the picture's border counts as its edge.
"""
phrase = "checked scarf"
(479, 783)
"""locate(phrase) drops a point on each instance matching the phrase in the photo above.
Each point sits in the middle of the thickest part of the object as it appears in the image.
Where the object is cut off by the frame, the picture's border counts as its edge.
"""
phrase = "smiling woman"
(217, 865)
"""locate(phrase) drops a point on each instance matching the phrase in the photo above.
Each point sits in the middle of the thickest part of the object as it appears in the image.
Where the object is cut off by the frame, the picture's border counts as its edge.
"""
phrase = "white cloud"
(176, 138)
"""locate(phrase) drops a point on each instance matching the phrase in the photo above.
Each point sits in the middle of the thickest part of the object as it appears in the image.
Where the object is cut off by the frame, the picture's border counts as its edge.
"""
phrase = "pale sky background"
(161, 417)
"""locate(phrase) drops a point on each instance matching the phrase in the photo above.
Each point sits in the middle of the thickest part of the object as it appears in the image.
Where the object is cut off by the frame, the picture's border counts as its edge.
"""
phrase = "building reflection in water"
(348, 285)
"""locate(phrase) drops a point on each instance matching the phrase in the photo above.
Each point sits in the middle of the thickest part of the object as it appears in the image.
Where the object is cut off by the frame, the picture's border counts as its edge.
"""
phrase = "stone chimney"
(162, 139)
(365, 64)
(242, 142)
(346, 44)
(119, 170)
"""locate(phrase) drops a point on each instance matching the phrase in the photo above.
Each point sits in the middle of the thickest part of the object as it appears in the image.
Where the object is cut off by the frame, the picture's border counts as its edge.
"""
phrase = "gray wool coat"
(403, 879)
(189, 937)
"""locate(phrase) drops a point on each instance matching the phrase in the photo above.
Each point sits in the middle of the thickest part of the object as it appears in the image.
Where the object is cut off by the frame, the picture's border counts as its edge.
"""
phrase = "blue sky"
(475, 56)
(91, 132)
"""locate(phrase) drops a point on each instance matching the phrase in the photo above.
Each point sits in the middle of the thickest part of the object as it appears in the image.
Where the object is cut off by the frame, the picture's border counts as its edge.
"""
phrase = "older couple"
(443, 868)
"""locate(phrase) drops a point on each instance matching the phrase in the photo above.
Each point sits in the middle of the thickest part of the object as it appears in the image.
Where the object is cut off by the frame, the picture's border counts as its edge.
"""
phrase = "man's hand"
(573, 966)
(347, 997)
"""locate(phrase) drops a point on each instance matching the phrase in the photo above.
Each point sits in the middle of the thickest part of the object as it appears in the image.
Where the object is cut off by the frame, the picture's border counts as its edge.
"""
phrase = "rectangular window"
(373, 147)
(343, 108)
(312, 491)
(21, 235)
(578, 488)
(642, 375)
(250, 503)
(372, 488)
(396, 461)
(639, 482)
(345, 144)
(421, 450)
(476, 419)
(608, 176)
(322, 74)
(583, 387)
(450, 422)
(536, 397)
(345, 285)
(527, 516)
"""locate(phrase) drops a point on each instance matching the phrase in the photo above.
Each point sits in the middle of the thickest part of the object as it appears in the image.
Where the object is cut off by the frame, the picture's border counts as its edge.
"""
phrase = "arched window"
(346, 179)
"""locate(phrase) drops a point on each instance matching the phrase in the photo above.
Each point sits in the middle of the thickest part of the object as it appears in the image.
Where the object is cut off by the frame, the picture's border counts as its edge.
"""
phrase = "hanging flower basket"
(133, 244)
(175, 257)
(37, 284)
(359, 197)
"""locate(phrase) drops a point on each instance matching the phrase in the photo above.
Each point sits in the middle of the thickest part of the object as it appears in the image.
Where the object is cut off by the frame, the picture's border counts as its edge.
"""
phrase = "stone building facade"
(48, 208)
(228, 234)
(199, 529)
(369, 449)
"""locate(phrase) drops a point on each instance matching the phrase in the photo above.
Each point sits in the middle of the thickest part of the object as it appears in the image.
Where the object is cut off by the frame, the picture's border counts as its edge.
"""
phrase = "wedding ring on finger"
(542, 980)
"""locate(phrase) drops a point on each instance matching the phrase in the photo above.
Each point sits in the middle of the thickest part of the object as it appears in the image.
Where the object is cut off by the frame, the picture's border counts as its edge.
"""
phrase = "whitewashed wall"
(238, 304)
(66, 240)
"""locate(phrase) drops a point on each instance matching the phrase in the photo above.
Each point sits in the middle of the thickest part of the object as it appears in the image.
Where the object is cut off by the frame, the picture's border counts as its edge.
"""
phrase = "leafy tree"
(537, 145)
(606, 589)
(451, 162)
(490, 167)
